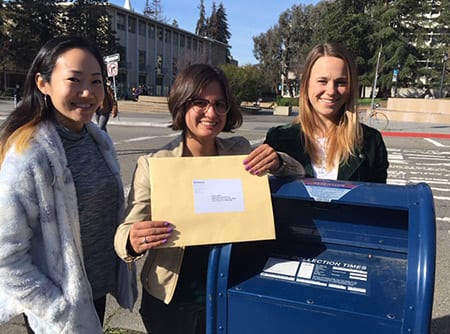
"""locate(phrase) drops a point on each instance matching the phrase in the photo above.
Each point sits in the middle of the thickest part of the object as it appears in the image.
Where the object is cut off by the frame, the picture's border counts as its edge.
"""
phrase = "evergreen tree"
(30, 23)
(348, 22)
(212, 27)
(223, 33)
(155, 11)
(90, 19)
(394, 27)
(200, 28)
(4, 44)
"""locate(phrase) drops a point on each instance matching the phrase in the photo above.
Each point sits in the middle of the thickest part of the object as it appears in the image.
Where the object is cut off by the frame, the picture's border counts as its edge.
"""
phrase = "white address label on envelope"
(218, 195)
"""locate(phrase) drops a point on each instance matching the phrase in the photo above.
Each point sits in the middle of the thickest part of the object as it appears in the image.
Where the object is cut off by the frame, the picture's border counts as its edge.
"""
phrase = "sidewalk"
(161, 119)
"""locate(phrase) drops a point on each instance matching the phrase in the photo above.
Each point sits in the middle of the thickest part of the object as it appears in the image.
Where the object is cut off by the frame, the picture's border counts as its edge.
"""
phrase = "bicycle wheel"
(378, 120)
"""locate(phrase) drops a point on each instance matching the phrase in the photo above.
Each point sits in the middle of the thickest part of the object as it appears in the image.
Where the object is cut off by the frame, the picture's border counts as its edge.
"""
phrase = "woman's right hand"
(149, 234)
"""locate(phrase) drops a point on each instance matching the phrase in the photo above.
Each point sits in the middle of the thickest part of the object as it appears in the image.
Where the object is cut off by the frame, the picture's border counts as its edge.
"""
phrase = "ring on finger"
(145, 240)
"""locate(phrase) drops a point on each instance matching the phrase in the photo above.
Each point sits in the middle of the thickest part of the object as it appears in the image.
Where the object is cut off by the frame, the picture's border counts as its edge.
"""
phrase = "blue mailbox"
(348, 258)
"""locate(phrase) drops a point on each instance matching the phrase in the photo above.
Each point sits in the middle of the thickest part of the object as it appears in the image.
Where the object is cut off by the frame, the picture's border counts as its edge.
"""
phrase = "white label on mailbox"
(280, 268)
(327, 190)
(331, 274)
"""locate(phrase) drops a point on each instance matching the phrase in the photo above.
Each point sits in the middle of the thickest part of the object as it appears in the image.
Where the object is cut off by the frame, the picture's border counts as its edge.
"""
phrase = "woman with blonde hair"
(327, 137)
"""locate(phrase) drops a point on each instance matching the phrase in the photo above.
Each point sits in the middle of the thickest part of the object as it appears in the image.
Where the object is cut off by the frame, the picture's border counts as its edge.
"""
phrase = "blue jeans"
(102, 120)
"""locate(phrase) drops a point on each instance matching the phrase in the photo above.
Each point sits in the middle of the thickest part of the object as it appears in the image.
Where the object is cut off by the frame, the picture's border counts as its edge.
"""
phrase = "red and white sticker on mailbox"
(324, 273)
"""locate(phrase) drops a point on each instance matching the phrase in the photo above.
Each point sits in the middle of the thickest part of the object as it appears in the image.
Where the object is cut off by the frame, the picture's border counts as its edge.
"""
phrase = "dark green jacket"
(370, 164)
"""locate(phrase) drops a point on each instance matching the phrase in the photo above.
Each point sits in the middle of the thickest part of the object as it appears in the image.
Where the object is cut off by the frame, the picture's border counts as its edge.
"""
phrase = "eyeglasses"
(201, 105)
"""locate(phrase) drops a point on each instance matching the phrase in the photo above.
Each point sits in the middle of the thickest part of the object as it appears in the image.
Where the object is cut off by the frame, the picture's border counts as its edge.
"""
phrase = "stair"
(158, 104)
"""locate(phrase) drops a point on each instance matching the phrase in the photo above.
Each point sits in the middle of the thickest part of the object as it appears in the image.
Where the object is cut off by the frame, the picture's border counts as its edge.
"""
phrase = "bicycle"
(374, 118)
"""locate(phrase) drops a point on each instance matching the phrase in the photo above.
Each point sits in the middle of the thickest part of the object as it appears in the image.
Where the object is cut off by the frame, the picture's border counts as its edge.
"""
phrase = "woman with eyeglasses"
(174, 279)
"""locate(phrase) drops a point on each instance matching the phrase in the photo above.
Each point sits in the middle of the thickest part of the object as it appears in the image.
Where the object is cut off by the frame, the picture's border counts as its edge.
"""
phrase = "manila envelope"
(210, 200)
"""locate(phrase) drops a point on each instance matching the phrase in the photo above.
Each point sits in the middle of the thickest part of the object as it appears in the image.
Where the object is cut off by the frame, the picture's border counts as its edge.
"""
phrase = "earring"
(45, 101)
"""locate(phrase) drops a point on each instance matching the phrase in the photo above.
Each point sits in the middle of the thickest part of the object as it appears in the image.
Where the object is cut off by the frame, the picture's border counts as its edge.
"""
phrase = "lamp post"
(372, 103)
(444, 61)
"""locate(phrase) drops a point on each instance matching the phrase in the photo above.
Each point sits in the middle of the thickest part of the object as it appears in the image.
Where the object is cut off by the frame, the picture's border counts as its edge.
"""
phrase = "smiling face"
(75, 87)
(328, 87)
(205, 125)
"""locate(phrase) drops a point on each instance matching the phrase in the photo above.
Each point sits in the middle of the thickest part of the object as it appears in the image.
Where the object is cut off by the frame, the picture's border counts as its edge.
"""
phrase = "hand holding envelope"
(210, 200)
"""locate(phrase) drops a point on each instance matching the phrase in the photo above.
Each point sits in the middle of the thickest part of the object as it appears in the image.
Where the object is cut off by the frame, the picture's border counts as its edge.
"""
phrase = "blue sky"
(246, 18)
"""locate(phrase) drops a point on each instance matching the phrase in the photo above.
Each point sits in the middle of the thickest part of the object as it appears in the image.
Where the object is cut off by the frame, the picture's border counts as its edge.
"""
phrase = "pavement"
(120, 321)
(161, 119)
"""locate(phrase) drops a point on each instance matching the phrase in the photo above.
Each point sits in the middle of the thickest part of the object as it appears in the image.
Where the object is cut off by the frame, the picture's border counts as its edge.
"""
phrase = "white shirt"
(320, 170)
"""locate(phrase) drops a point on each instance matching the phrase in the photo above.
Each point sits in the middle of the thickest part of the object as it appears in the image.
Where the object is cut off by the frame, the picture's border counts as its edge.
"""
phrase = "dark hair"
(189, 84)
(34, 106)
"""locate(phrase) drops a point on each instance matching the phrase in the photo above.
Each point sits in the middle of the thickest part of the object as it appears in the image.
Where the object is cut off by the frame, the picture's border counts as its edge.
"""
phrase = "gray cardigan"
(41, 261)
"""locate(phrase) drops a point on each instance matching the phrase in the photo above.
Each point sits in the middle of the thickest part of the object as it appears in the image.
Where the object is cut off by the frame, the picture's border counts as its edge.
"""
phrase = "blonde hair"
(20, 139)
(345, 136)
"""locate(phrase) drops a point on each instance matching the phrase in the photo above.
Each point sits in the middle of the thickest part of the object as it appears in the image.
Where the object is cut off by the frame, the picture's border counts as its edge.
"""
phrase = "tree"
(284, 47)
(394, 27)
(154, 10)
(29, 24)
(200, 28)
(295, 33)
(246, 82)
(4, 44)
(223, 33)
(217, 25)
(349, 23)
(89, 19)
(267, 50)
(212, 26)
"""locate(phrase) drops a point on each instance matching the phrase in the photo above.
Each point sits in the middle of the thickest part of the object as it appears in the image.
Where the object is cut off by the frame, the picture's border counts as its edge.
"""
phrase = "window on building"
(188, 43)
(168, 35)
(194, 45)
(160, 34)
(132, 25)
(174, 67)
(182, 37)
(151, 31)
(142, 26)
(159, 64)
(175, 39)
(120, 21)
(141, 60)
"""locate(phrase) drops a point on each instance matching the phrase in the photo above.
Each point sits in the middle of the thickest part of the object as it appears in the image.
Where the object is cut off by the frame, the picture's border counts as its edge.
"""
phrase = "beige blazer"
(159, 275)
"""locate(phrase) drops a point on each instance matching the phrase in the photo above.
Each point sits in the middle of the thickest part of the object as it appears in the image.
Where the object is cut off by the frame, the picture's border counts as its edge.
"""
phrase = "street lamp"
(444, 60)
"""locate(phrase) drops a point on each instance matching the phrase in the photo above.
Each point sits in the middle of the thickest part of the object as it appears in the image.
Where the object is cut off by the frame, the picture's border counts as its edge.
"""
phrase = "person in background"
(17, 96)
(327, 137)
(174, 279)
(61, 197)
(107, 109)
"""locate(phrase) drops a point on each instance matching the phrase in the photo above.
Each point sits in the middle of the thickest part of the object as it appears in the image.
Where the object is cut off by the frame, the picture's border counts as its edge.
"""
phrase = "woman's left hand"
(262, 160)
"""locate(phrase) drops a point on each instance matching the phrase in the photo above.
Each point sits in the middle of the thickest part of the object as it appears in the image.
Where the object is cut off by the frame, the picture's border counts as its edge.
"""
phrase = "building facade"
(153, 52)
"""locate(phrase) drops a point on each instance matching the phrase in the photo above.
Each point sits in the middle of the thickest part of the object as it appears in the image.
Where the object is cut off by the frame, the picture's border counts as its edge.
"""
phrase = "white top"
(320, 170)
